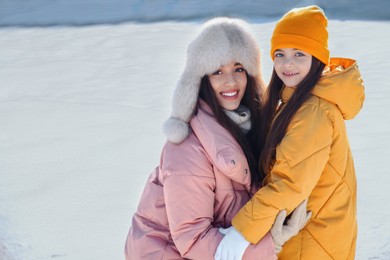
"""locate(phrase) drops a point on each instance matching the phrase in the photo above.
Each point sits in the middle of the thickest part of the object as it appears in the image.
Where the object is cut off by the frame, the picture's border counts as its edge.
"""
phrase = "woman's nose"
(230, 80)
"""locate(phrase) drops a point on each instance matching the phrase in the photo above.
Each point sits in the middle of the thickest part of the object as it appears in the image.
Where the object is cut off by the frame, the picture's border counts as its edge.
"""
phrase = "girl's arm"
(189, 201)
(300, 160)
(235, 246)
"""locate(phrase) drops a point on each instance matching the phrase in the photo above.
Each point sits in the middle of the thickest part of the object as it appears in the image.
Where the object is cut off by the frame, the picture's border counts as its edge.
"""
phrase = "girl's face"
(229, 84)
(291, 65)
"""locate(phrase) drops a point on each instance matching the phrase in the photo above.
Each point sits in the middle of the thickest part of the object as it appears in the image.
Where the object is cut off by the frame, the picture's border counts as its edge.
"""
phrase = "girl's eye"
(240, 70)
(278, 55)
(299, 54)
(218, 72)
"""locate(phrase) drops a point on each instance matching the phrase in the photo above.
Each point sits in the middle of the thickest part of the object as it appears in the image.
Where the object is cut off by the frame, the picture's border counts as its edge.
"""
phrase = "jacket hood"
(342, 85)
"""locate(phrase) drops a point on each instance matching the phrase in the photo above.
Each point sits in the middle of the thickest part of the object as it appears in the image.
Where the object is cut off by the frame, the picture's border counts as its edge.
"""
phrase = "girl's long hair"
(276, 130)
(252, 142)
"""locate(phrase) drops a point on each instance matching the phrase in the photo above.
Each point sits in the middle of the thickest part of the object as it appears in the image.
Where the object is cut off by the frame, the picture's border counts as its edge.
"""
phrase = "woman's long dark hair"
(251, 143)
(276, 130)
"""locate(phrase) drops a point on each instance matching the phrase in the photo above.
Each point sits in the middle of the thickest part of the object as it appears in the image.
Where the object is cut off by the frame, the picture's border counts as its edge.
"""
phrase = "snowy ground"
(81, 110)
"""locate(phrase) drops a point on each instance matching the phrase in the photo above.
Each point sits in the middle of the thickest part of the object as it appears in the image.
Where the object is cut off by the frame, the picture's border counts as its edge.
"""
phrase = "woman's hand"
(232, 246)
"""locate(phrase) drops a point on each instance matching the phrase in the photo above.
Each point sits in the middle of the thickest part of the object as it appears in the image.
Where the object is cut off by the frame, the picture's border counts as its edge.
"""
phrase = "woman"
(307, 154)
(207, 169)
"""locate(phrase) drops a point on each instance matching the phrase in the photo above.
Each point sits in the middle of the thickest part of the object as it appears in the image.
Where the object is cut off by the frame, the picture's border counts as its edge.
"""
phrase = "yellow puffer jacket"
(314, 161)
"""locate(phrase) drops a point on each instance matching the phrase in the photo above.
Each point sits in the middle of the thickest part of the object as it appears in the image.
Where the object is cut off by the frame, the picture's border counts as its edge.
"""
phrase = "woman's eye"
(218, 72)
(240, 70)
(299, 54)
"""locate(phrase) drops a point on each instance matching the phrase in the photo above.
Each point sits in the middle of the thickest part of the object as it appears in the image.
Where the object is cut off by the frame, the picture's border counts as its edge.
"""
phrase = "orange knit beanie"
(305, 29)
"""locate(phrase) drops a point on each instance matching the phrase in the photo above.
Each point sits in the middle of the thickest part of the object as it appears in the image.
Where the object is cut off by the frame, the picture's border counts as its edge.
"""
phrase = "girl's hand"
(282, 233)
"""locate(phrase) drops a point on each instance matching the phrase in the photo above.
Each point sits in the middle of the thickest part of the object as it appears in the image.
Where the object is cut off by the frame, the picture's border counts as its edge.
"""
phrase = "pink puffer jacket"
(199, 186)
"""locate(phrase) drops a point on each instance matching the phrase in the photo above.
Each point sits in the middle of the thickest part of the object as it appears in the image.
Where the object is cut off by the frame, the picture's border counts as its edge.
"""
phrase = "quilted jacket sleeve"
(189, 199)
(300, 160)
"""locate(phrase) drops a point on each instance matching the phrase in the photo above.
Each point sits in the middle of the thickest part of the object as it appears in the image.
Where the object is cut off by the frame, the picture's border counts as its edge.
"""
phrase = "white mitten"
(232, 245)
(282, 233)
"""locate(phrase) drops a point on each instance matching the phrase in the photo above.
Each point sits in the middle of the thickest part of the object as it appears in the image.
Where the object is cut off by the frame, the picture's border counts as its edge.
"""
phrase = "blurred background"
(86, 12)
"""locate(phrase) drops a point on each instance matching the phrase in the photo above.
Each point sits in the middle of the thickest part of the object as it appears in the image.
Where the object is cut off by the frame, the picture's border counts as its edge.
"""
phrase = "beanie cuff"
(303, 43)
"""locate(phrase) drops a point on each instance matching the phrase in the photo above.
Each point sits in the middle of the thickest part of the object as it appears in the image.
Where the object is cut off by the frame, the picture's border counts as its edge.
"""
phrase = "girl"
(208, 167)
(306, 154)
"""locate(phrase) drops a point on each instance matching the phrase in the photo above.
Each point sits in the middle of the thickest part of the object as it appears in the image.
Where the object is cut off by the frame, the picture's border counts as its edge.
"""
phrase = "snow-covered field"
(81, 110)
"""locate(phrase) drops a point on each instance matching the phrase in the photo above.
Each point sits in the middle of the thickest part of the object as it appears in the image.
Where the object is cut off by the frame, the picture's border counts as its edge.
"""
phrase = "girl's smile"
(288, 74)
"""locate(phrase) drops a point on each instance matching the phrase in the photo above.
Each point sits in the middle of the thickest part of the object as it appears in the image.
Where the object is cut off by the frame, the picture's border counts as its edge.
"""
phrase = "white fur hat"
(222, 40)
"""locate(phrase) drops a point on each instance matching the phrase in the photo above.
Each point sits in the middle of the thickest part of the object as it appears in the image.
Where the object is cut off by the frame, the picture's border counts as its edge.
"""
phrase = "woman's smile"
(233, 94)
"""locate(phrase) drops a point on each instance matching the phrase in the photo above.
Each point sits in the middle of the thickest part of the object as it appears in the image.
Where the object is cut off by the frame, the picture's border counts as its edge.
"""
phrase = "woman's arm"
(189, 198)
(189, 201)
(189, 183)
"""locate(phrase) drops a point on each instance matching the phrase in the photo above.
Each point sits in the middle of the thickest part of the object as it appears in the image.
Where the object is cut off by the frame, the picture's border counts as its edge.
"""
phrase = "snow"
(81, 110)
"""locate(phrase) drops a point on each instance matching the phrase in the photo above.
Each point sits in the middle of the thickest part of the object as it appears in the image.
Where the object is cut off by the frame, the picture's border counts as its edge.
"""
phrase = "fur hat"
(303, 28)
(222, 40)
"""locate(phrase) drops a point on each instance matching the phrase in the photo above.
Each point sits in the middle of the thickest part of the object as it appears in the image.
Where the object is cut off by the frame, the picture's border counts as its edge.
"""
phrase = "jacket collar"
(222, 149)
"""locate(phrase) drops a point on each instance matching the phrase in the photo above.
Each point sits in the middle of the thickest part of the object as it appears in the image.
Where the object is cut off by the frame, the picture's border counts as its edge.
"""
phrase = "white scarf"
(242, 117)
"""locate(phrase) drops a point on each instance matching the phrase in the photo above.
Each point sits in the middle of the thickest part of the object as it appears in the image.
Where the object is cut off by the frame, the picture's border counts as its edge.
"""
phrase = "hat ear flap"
(185, 98)
(185, 95)
(176, 130)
